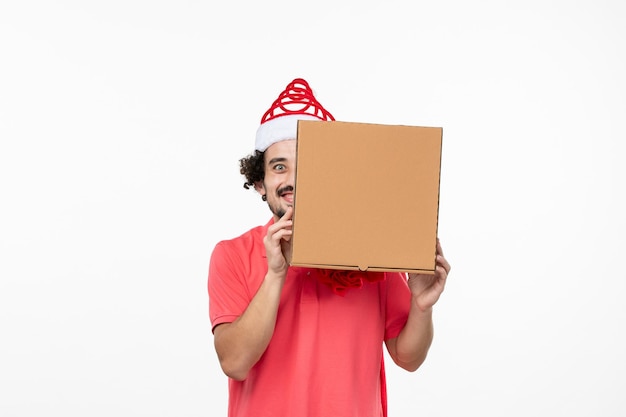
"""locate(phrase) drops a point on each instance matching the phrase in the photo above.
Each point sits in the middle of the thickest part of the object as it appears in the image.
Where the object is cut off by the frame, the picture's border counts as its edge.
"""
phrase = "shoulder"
(396, 278)
(395, 284)
(241, 251)
(245, 241)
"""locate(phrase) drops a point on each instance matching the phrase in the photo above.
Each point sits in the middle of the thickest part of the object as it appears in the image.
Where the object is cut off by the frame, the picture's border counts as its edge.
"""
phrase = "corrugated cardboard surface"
(367, 196)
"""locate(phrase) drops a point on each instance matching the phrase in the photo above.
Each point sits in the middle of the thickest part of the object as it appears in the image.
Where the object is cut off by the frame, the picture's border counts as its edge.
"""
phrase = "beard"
(276, 209)
(275, 205)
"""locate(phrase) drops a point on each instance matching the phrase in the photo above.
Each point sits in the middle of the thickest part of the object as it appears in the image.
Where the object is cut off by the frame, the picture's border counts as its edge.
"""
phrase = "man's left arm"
(410, 348)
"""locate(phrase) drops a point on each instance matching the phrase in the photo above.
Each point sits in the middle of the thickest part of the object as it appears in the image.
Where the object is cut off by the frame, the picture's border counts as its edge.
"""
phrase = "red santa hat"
(280, 122)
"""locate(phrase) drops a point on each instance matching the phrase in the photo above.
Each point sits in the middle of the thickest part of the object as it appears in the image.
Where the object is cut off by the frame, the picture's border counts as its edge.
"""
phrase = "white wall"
(121, 127)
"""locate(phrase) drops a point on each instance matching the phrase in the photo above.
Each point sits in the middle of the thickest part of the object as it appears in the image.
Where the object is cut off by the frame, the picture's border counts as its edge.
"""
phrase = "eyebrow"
(274, 160)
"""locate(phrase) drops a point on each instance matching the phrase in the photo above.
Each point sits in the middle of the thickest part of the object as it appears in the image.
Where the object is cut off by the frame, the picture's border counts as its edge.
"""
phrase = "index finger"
(288, 213)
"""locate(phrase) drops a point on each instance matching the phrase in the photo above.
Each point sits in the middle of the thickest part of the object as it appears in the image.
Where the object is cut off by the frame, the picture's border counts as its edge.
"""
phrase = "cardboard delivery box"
(367, 196)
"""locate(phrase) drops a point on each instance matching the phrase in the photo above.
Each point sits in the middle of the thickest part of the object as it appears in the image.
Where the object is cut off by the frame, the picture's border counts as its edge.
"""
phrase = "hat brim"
(279, 129)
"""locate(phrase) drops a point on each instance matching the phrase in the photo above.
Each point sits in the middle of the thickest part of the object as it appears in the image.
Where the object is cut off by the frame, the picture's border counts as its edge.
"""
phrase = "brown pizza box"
(366, 196)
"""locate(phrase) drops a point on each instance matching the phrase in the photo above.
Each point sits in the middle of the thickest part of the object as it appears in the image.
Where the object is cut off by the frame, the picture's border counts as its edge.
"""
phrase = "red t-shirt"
(325, 357)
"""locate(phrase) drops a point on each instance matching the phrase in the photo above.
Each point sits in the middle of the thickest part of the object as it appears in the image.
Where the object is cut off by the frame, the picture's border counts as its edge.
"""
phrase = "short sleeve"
(227, 286)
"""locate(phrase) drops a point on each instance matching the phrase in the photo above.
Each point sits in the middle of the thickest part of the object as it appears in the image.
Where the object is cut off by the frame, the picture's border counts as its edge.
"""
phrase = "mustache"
(283, 190)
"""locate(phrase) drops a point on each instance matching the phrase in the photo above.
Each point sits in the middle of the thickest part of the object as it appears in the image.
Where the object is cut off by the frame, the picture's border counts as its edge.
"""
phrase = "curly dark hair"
(252, 167)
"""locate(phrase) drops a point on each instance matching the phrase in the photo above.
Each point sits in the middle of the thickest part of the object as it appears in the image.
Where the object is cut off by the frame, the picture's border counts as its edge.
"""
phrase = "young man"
(303, 342)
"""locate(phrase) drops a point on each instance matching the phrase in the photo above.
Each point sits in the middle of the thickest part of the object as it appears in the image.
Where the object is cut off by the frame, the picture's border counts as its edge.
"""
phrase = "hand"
(427, 288)
(278, 243)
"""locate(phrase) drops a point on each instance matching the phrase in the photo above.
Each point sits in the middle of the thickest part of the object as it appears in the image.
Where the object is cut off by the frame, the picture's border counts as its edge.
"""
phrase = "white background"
(121, 127)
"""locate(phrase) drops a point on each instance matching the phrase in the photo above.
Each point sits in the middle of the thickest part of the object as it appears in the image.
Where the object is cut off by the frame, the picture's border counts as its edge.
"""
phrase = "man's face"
(280, 175)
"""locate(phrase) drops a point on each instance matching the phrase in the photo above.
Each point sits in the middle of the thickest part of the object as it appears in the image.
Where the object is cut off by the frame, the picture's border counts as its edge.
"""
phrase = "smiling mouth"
(288, 197)
(286, 193)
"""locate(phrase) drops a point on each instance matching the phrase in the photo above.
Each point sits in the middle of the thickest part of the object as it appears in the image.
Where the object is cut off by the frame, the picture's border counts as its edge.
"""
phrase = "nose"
(292, 178)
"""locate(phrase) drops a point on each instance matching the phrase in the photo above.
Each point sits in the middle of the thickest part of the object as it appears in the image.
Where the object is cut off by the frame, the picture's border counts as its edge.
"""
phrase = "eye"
(279, 167)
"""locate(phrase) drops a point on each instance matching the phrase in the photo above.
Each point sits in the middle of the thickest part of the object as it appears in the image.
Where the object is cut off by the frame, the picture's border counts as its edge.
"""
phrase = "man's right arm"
(240, 344)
